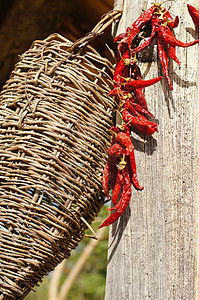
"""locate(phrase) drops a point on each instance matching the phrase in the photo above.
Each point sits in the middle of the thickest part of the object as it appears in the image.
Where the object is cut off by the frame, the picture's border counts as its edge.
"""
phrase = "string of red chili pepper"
(194, 13)
(162, 23)
(120, 169)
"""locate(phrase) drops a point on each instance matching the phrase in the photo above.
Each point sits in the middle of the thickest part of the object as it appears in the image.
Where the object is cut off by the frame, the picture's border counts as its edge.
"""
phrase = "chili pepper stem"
(122, 163)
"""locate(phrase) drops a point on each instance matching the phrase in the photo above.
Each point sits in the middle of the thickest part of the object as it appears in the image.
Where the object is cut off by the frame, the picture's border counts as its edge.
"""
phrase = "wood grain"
(153, 248)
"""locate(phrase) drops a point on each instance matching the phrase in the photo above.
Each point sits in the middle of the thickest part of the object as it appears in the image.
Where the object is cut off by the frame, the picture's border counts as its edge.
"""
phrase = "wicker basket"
(54, 130)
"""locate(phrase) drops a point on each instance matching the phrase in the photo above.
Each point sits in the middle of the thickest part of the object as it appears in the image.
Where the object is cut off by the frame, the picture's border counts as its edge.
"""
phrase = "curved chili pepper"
(135, 84)
(194, 13)
(172, 54)
(121, 69)
(136, 108)
(162, 51)
(146, 43)
(132, 171)
(139, 23)
(123, 202)
(171, 40)
(139, 96)
(175, 23)
(140, 123)
(118, 184)
(132, 31)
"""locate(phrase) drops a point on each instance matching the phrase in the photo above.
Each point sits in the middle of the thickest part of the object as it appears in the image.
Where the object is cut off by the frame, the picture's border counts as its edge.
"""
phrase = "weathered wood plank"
(154, 248)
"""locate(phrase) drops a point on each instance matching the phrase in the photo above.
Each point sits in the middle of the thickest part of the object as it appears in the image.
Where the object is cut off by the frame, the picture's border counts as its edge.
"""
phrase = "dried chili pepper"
(131, 32)
(167, 36)
(132, 84)
(122, 69)
(126, 194)
(132, 170)
(136, 108)
(161, 30)
(113, 170)
(194, 13)
(118, 184)
(172, 54)
(126, 142)
(162, 51)
(115, 150)
(139, 23)
(123, 202)
(140, 123)
(175, 23)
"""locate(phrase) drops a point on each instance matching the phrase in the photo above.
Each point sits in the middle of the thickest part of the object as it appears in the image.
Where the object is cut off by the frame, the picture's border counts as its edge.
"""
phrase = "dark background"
(22, 22)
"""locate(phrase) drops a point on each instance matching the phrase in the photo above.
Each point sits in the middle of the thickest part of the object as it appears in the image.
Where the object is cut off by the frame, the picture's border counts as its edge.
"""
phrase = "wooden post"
(154, 247)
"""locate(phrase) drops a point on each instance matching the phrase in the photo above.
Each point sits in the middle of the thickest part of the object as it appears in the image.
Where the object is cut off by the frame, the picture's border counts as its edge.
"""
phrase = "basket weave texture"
(55, 116)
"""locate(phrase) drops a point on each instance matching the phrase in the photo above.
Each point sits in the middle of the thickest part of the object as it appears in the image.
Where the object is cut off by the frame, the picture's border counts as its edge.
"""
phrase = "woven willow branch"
(54, 119)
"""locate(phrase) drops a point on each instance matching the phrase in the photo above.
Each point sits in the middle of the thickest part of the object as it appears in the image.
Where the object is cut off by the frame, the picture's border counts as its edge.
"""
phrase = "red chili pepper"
(132, 31)
(139, 96)
(143, 18)
(162, 51)
(140, 123)
(113, 172)
(115, 150)
(166, 36)
(136, 108)
(146, 43)
(135, 84)
(172, 54)
(123, 202)
(125, 141)
(121, 69)
(194, 13)
(139, 23)
(118, 184)
(175, 23)
(132, 170)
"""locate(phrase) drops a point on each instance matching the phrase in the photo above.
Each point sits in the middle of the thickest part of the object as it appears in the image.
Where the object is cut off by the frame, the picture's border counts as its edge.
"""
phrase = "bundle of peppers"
(129, 94)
